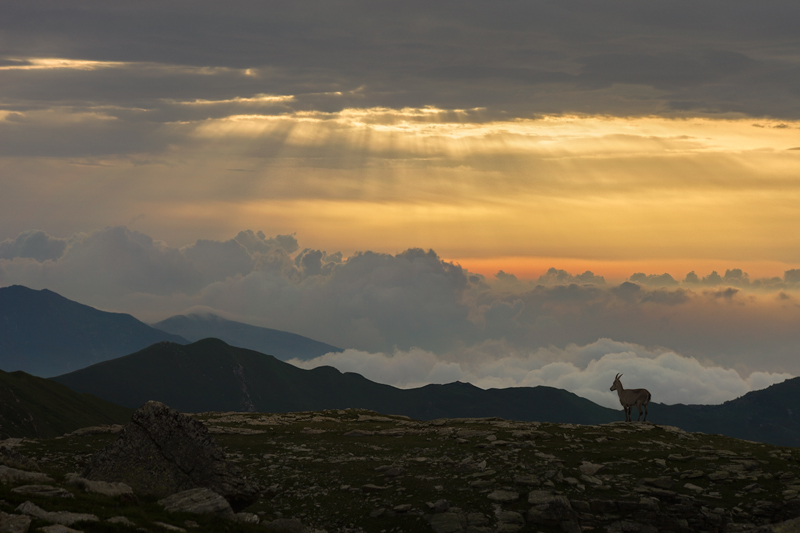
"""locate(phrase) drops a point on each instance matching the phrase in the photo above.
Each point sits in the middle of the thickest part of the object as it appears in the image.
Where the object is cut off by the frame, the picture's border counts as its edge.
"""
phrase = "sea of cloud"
(411, 318)
(587, 371)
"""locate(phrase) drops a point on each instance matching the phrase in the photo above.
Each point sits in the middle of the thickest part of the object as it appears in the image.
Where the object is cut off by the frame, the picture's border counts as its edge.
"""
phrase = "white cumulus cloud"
(587, 370)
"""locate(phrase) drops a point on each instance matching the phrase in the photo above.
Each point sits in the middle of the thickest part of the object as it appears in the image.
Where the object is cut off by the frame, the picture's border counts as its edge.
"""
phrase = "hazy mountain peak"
(46, 334)
(281, 344)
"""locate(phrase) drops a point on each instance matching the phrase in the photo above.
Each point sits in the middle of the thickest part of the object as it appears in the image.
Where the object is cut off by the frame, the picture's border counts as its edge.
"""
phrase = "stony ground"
(355, 470)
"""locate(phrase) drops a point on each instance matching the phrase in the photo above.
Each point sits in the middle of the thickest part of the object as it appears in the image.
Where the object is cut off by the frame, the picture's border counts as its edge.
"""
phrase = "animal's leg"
(645, 413)
(627, 414)
(639, 407)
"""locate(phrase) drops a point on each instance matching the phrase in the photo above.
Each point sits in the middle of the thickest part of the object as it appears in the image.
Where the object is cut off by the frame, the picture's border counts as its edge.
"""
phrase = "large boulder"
(161, 452)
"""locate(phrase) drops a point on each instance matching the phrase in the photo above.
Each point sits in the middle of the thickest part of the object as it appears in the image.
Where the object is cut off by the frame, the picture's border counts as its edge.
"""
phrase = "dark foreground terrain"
(356, 470)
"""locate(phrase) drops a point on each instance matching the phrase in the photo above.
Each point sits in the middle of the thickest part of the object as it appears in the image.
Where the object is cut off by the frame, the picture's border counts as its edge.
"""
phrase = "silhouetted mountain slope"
(210, 375)
(45, 334)
(281, 344)
(38, 407)
(769, 415)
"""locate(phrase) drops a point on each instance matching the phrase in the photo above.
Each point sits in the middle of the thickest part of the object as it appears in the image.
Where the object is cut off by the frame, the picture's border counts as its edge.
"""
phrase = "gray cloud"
(33, 244)
(378, 302)
(511, 59)
(555, 276)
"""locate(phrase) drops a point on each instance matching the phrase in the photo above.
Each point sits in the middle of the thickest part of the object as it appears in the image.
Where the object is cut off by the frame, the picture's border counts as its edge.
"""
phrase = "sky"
(507, 193)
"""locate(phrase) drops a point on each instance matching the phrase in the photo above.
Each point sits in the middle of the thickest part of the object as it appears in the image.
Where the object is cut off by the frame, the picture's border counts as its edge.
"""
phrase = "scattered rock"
(64, 518)
(43, 490)
(58, 528)
(477, 519)
(359, 433)
(247, 518)
(663, 482)
(369, 487)
(13, 475)
(510, 517)
(529, 480)
(162, 452)
(694, 487)
(719, 475)
(592, 480)
(112, 489)
(503, 496)
(14, 523)
(439, 506)
(590, 469)
(169, 527)
(123, 520)
(12, 458)
(197, 501)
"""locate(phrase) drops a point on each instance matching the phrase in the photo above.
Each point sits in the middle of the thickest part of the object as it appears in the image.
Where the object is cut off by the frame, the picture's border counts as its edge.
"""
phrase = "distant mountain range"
(40, 408)
(210, 375)
(281, 344)
(45, 334)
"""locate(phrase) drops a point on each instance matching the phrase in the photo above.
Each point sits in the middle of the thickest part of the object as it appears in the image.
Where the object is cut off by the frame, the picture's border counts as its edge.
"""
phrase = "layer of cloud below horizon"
(411, 318)
(584, 370)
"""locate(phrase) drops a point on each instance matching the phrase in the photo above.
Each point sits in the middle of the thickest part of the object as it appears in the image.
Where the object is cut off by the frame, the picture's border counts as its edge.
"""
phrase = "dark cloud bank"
(512, 59)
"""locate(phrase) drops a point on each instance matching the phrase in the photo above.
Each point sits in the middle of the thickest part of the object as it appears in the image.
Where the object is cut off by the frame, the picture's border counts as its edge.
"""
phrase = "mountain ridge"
(209, 375)
(36, 407)
(237, 379)
(45, 334)
(281, 344)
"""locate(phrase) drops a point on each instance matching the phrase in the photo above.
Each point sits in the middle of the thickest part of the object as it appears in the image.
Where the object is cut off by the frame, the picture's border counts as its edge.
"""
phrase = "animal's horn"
(618, 375)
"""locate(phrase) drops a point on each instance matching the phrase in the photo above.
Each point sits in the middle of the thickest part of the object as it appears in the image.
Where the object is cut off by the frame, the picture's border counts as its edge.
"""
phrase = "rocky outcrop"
(161, 452)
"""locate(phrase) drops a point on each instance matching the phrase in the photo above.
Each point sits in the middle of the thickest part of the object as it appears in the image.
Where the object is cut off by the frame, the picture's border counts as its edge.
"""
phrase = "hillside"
(36, 407)
(768, 415)
(281, 344)
(45, 334)
(210, 375)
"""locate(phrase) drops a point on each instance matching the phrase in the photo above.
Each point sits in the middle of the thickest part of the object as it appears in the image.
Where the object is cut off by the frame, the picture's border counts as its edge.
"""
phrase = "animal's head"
(617, 384)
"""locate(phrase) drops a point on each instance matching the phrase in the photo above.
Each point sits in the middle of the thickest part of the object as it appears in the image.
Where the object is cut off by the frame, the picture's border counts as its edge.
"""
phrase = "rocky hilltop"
(355, 470)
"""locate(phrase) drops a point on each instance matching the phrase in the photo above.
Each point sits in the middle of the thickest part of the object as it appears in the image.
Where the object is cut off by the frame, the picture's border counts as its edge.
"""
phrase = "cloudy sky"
(397, 178)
